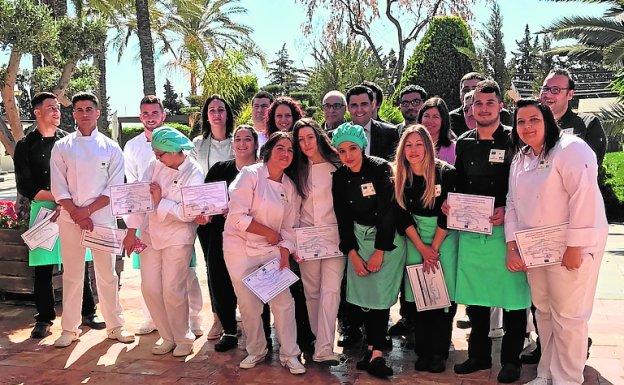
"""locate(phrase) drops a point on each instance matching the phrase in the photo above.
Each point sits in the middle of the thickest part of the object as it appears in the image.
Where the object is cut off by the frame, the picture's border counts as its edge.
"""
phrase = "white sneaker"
(496, 333)
(65, 339)
(215, 330)
(183, 350)
(146, 328)
(251, 360)
(540, 381)
(327, 358)
(164, 348)
(121, 335)
(293, 364)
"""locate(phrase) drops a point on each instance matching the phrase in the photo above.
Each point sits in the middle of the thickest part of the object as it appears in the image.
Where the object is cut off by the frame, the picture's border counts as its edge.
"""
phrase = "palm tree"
(146, 46)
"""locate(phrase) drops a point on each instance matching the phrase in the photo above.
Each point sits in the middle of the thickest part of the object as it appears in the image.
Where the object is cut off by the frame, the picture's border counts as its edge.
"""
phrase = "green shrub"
(390, 113)
(612, 185)
(436, 64)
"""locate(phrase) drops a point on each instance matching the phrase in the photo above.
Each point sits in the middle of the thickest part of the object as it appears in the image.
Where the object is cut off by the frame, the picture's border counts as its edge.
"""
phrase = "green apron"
(376, 290)
(136, 258)
(426, 227)
(482, 276)
(41, 256)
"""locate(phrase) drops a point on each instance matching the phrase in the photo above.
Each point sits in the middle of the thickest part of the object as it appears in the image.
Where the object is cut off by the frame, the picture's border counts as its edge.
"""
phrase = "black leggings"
(432, 330)
(375, 324)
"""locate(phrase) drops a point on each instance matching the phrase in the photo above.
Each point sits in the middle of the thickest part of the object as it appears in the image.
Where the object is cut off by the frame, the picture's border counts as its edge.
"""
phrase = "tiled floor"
(96, 360)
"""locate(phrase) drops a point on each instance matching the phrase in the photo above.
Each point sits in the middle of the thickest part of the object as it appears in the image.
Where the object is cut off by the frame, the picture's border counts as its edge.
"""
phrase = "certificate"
(542, 246)
(43, 233)
(130, 198)
(204, 199)
(318, 242)
(268, 280)
(429, 288)
(470, 213)
(104, 239)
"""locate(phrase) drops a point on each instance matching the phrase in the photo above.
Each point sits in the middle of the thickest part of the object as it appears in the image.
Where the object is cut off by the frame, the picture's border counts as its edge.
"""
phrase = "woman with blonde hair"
(421, 186)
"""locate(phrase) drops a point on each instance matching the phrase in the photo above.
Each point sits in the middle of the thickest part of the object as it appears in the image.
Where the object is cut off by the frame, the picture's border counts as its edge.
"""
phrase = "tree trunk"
(146, 45)
(99, 61)
(193, 83)
(10, 107)
(6, 138)
(63, 83)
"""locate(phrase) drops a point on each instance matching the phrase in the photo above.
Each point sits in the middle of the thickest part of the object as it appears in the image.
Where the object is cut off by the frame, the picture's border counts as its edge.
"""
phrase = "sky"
(276, 22)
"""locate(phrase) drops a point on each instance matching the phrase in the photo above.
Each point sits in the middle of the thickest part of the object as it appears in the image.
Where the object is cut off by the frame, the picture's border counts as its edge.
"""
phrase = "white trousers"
(564, 301)
(73, 281)
(321, 284)
(164, 286)
(282, 306)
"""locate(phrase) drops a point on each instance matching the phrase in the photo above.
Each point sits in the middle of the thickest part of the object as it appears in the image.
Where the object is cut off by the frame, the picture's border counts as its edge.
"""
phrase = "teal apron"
(482, 275)
(426, 227)
(41, 256)
(376, 290)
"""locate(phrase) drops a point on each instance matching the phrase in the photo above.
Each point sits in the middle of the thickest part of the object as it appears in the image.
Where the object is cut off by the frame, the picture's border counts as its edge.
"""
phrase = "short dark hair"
(489, 86)
(566, 73)
(551, 128)
(471, 76)
(359, 90)
(40, 97)
(445, 135)
(295, 110)
(263, 95)
(376, 89)
(152, 99)
(80, 96)
(205, 123)
(411, 89)
(265, 151)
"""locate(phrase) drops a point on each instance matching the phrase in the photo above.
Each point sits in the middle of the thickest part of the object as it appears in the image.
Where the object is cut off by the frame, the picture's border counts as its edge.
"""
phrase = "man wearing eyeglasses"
(556, 93)
(334, 108)
(411, 100)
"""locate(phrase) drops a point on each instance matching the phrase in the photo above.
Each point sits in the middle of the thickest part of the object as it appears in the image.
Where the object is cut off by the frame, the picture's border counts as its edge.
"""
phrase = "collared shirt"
(167, 225)
(317, 209)
(209, 151)
(255, 197)
(560, 187)
(32, 162)
(367, 130)
(84, 168)
(588, 128)
(138, 154)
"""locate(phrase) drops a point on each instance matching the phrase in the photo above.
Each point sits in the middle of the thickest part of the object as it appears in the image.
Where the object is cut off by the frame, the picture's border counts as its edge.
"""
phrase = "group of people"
(388, 207)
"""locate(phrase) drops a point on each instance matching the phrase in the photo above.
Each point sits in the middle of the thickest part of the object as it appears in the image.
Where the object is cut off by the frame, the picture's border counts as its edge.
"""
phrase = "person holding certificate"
(553, 180)
(363, 193)
(169, 237)
(421, 184)
(263, 209)
(483, 280)
(316, 160)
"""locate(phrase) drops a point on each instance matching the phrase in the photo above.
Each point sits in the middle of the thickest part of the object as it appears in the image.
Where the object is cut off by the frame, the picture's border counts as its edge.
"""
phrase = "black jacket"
(384, 140)
(588, 128)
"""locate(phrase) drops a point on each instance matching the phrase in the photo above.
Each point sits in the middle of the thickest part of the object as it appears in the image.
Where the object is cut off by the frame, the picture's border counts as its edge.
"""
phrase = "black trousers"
(432, 330)
(480, 345)
(44, 294)
(349, 315)
(375, 324)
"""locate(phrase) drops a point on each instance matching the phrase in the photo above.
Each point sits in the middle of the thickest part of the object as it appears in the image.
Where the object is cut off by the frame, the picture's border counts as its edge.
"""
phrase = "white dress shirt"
(561, 187)
(137, 155)
(209, 151)
(82, 168)
(367, 130)
(317, 209)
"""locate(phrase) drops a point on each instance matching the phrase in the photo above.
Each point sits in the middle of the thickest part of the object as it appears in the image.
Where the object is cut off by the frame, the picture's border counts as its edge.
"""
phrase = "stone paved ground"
(96, 360)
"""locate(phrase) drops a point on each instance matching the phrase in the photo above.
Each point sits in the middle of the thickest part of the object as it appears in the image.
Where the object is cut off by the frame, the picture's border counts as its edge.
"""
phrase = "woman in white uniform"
(263, 209)
(553, 180)
(169, 236)
(316, 160)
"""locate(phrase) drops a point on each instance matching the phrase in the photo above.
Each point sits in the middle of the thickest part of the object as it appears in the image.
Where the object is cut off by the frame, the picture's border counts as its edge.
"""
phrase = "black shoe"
(41, 330)
(437, 364)
(589, 344)
(509, 373)
(531, 358)
(422, 364)
(353, 337)
(471, 365)
(401, 328)
(463, 324)
(93, 322)
(226, 343)
(363, 363)
(378, 368)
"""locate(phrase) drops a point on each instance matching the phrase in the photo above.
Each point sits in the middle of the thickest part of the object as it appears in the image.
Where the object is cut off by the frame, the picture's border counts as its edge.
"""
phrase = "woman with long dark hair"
(282, 114)
(434, 115)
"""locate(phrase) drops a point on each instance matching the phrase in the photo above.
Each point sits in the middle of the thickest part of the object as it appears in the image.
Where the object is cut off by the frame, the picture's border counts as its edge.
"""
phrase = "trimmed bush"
(612, 185)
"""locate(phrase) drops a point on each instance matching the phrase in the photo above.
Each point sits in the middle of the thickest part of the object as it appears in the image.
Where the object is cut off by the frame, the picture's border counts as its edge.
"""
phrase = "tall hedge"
(436, 64)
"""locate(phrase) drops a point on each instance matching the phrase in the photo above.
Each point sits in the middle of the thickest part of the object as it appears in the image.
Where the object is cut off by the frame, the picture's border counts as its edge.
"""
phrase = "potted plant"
(15, 275)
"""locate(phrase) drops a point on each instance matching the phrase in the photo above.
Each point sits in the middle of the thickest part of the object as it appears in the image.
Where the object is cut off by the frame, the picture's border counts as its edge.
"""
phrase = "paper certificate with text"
(318, 242)
(268, 280)
(429, 288)
(542, 246)
(131, 198)
(104, 239)
(205, 199)
(470, 213)
(43, 233)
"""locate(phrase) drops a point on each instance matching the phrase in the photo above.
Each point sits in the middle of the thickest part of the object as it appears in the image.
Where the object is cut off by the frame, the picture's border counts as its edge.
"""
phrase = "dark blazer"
(384, 140)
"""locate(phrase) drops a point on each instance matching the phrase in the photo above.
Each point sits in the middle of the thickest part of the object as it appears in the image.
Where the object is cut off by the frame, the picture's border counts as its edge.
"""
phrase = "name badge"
(438, 190)
(497, 156)
(569, 131)
(543, 164)
(368, 189)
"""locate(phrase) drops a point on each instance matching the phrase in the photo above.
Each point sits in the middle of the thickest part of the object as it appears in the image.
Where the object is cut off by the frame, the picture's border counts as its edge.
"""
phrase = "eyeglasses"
(413, 103)
(334, 106)
(554, 89)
